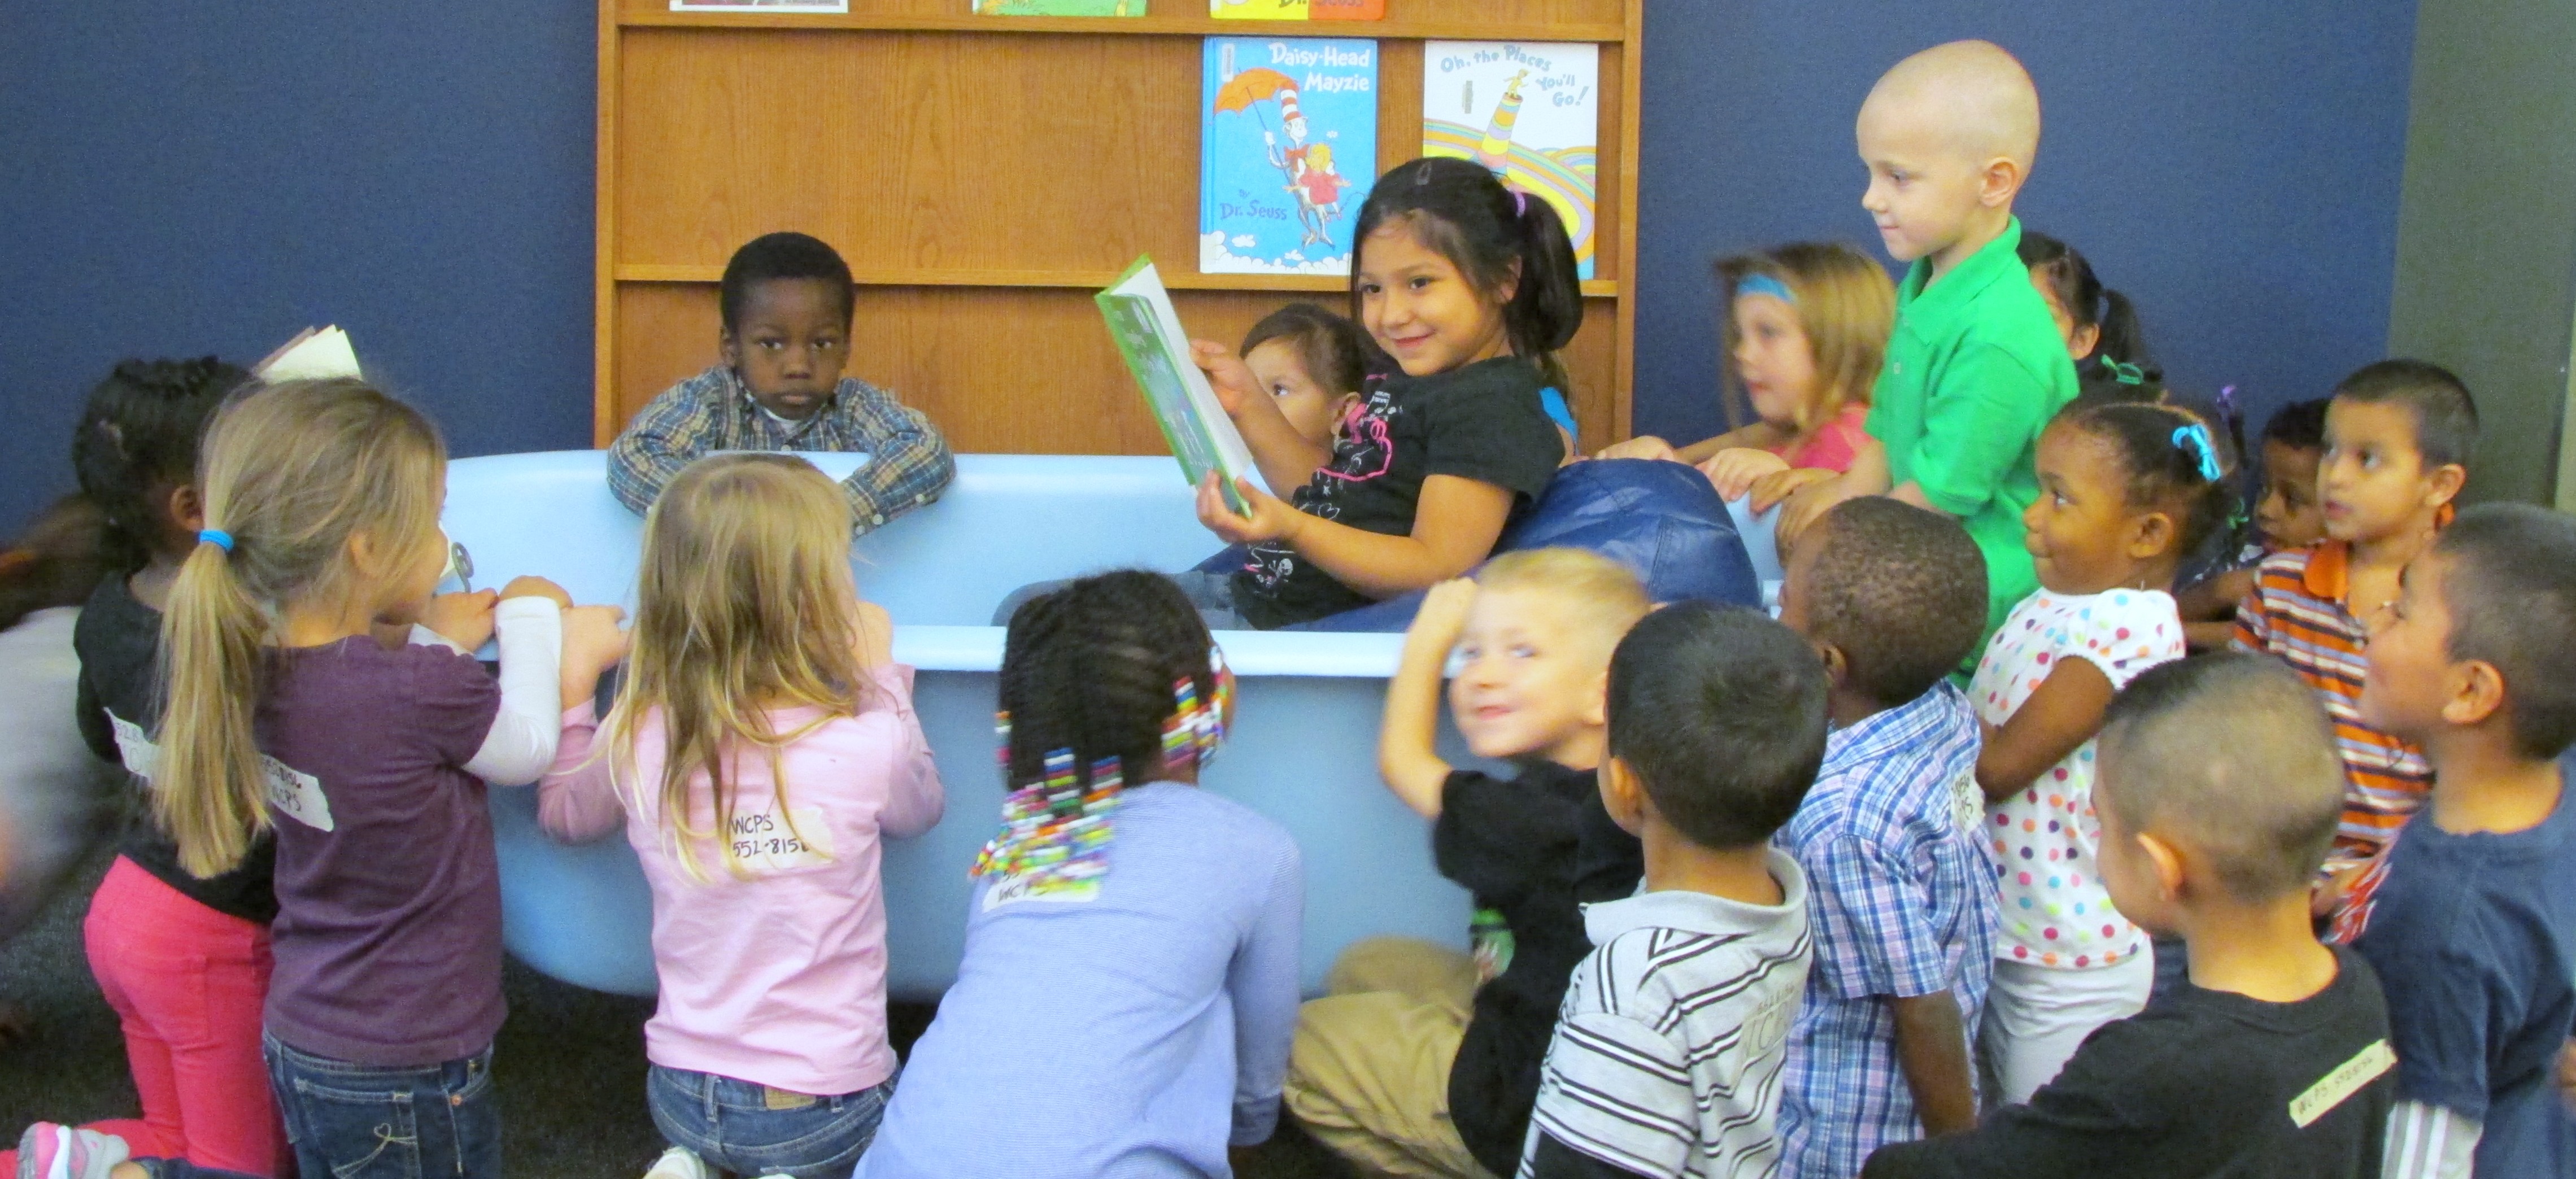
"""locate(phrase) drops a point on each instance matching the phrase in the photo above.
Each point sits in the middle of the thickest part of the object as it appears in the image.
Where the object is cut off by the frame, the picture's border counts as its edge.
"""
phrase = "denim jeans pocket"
(354, 1121)
(733, 1124)
(359, 1133)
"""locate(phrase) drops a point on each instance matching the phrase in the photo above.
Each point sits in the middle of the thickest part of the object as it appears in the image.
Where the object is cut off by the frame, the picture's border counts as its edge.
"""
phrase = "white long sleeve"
(2428, 1142)
(521, 745)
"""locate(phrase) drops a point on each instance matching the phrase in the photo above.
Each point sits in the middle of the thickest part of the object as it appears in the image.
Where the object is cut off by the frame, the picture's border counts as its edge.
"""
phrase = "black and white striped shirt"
(1668, 1050)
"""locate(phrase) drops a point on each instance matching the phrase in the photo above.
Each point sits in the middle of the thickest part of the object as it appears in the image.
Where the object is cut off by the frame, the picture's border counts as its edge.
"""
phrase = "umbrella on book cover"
(1251, 86)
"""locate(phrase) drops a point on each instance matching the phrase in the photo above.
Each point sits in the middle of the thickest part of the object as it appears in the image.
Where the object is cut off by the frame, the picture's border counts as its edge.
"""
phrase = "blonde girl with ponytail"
(762, 747)
(299, 703)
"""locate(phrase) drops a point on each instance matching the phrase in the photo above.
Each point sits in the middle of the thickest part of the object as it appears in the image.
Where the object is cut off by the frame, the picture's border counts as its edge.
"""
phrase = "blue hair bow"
(2195, 440)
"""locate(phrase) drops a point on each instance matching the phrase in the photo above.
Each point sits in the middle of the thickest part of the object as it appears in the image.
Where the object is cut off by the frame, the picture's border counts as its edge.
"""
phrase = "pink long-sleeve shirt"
(776, 976)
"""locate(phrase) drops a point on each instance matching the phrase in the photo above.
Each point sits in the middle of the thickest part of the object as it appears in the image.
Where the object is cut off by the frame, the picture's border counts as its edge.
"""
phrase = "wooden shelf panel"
(1599, 288)
(1420, 20)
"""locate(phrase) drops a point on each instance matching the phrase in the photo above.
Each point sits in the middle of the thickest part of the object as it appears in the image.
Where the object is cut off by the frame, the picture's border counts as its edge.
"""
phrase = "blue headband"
(218, 538)
(2194, 439)
(1763, 284)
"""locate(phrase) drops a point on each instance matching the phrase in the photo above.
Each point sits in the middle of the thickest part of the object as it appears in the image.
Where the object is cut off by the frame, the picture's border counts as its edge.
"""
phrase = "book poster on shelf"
(1529, 110)
(1057, 7)
(1257, 9)
(822, 6)
(1287, 152)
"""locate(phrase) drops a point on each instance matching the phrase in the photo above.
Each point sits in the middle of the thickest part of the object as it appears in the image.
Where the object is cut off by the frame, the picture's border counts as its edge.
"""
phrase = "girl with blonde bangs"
(317, 689)
(1806, 330)
(762, 747)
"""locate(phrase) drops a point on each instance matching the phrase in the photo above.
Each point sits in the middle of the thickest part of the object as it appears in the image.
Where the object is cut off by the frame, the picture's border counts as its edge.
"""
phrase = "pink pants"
(187, 982)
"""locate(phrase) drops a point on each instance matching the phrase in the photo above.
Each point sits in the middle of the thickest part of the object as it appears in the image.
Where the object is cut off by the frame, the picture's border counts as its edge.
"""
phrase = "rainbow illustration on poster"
(1531, 111)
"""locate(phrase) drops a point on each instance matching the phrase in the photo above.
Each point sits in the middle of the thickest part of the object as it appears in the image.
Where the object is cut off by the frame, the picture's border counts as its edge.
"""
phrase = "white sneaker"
(680, 1162)
(51, 1151)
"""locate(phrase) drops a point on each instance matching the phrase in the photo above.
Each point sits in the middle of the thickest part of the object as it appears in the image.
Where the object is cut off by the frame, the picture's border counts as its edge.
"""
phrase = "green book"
(1058, 7)
(1149, 333)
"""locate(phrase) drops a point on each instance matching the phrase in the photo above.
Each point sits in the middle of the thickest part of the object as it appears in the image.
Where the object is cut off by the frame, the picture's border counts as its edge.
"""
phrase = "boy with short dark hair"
(2218, 794)
(1669, 1047)
(1420, 1060)
(2286, 516)
(1900, 896)
(2474, 923)
(788, 302)
(1975, 367)
(2397, 439)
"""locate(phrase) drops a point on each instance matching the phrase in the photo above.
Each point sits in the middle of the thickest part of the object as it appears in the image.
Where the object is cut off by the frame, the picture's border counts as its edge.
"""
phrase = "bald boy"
(1975, 367)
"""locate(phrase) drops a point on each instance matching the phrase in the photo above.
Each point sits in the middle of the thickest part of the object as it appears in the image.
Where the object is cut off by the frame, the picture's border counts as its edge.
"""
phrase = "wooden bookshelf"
(983, 176)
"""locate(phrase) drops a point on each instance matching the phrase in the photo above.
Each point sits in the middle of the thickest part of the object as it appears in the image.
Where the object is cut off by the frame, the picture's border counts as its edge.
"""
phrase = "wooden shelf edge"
(1597, 288)
(1151, 26)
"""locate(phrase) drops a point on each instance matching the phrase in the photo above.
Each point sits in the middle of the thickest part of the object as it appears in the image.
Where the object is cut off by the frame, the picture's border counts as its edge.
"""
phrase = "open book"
(314, 354)
(1149, 332)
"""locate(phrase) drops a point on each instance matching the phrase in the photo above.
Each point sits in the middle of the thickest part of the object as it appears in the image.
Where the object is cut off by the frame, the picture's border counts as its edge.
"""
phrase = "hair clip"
(1055, 834)
(2194, 440)
(2126, 374)
(218, 538)
(1520, 203)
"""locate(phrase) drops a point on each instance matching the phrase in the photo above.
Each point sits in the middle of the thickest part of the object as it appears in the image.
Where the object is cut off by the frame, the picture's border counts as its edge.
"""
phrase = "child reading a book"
(1312, 362)
(1975, 367)
(1470, 287)
(1806, 327)
(787, 303)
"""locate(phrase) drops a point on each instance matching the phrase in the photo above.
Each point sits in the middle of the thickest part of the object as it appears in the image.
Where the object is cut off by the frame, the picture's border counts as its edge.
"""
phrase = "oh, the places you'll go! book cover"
(1287, 154)
(1529, 110)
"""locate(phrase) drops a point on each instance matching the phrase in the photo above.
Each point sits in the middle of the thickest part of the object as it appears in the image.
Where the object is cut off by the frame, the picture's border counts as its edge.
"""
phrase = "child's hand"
(1734, 471)
(876, 635)
(1770, 490)
(1644, 446)
(535, 587)
(1443, 614)
(1271, 519)
(592, 643)
(462, 619)
(1227, 374)
(1807, 501)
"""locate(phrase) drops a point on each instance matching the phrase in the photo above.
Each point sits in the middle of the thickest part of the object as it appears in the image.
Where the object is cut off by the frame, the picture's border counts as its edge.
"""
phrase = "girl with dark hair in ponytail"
(1470, 287)
(2100, 324)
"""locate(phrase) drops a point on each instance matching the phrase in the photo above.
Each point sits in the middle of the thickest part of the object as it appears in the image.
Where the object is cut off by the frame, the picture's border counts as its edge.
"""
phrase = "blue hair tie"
(1763, 284)
(2194, 439)
(218, 538)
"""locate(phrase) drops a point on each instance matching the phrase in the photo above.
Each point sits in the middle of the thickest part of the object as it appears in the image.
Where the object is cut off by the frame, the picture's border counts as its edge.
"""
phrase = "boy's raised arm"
(1404, 754)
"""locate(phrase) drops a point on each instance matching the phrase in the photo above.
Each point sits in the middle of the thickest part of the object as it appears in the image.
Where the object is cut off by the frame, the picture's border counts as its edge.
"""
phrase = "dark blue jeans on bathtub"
(753, 1129)
(361, 1121)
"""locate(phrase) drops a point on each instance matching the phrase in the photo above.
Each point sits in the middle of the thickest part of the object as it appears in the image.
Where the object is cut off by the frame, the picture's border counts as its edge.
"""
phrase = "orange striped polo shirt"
(2296, 611)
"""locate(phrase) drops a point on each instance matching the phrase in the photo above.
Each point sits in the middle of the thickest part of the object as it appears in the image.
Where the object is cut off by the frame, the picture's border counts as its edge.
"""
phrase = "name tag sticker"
(135, 747)
(296, 795)
(766, 845)
(1967, 802)
(1029, 887)
(2346, 1080)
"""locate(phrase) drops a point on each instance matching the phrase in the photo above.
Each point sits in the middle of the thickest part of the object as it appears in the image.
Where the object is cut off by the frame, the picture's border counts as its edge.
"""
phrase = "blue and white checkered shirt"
(908, 461)
(1902, 903)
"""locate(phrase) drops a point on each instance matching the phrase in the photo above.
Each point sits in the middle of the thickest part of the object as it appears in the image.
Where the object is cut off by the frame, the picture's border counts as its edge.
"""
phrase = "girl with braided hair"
(1130, 982)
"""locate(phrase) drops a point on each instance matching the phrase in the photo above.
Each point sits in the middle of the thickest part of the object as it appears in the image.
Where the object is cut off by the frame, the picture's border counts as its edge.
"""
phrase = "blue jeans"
(361, 1121)
(754, 1130)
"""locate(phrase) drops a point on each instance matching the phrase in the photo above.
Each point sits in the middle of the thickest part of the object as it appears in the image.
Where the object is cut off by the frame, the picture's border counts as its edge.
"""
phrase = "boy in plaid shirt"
(1901, 897)
(787, 302)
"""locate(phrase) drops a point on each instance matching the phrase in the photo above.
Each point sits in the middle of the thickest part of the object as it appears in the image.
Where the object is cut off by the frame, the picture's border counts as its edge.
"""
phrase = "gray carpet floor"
(570, 1063)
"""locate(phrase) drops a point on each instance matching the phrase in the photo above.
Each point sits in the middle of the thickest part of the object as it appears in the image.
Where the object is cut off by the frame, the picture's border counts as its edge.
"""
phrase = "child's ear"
(1623, 796)
(728, 348)
(2166, 860)
(2151, 534)
(1837, 666)
(2442, 484)
(1596, 700)
(188, 508)
(1997, 184)
(2477, 693)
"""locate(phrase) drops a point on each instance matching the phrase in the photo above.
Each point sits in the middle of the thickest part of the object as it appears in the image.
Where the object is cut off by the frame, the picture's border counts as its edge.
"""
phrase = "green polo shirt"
(1974, 371)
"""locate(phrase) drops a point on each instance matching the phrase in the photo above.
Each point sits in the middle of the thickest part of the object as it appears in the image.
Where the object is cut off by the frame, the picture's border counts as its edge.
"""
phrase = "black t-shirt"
(119, 642)
(1483, 422)
(1517, 845)
(2204, 1083)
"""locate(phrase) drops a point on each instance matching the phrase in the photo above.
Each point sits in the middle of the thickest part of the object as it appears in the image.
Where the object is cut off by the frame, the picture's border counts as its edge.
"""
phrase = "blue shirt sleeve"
(1262, 983)
(2445, 1006)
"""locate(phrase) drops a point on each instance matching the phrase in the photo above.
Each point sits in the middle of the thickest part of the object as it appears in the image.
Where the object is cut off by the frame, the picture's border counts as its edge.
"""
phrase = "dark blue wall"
(190, 178)
(186, 178)
(2233, 167)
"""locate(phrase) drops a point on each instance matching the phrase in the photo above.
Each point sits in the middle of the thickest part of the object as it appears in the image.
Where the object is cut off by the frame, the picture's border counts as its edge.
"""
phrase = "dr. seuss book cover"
(824, 6)
(1529, 110)
(1057, 7)
(1287, 154)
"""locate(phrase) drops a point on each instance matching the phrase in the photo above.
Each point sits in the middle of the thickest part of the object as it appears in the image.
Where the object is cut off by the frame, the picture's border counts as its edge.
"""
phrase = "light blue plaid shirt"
(1901, 902)
(908, 461)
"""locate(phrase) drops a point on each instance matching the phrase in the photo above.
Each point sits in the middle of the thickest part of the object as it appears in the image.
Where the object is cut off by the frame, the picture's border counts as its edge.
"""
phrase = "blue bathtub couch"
(1302, 750)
